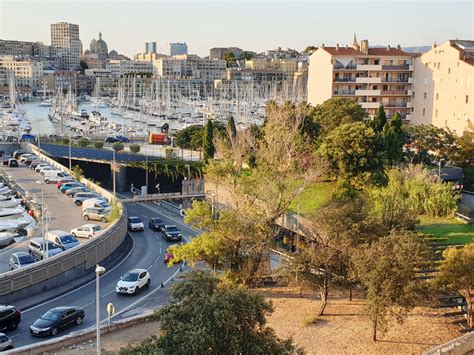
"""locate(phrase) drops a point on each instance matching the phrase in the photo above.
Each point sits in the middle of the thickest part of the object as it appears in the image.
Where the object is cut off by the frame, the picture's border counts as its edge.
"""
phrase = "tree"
(337, 111)
(117, 146)
(246, 56)
(310, 49)
(229, 57)
(66, 141)
(465, 154)
(353, 152)
(425, 141)
(393, 139)
(379, 120)
(387, 269)
(231, 129)
(204, 317)
(83, 65)
(98, 145)
(190, 137)
(456, 274)
(83, 142)
(134, 148)
(77, 172)
(208, 141)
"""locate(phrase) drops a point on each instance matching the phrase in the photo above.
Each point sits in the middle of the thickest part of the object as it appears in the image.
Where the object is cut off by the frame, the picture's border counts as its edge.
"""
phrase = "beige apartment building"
(289, 66)
(189, 66)
(66, 45)
(443, 88)
(373, 76)
(27, 73)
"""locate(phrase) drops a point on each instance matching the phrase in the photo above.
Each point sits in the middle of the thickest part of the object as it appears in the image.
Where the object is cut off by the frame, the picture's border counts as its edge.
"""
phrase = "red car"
(168, 257)
(63, 181)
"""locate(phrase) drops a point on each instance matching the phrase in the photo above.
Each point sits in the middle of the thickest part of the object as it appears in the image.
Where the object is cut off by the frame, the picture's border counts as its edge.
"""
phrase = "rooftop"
(388, 51)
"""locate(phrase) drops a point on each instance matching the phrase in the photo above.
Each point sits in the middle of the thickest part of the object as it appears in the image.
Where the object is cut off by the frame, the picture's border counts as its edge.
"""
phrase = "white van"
(95, 203)
(62, 239)
(52, 176)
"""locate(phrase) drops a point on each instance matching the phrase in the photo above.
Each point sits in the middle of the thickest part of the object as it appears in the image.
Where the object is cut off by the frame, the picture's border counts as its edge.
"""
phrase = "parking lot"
(64, 214)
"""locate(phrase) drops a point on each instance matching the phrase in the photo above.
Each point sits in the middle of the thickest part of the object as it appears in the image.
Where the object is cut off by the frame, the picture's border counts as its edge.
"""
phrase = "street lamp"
(99, 270)
(439, 168)
(43, 219)
(146, 169)
(113, 171)
(70, 166)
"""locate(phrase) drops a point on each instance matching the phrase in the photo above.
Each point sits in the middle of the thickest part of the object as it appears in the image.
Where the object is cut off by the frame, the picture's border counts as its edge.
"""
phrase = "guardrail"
(66, 266)
(462, 345)
(162, 196)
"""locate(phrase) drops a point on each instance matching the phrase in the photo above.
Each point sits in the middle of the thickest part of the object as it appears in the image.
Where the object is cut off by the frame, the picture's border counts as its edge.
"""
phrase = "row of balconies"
(369, 105)
(371, 80)
(370, 92)
(374, 67)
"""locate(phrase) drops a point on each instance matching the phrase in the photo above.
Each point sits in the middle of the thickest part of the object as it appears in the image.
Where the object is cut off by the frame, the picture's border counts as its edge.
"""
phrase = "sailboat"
(47, 102)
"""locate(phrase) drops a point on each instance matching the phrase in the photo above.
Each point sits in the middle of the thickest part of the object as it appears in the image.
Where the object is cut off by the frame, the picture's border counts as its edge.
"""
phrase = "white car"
(133, 281)
(5, 343)
(86, 231)
(40, 166)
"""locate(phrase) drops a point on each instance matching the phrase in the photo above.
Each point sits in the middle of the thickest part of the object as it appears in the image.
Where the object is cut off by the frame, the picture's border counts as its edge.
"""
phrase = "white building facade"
(66, 45)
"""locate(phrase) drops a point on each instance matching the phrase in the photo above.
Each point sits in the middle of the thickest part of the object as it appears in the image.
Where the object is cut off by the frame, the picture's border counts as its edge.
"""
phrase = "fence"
(68, 265)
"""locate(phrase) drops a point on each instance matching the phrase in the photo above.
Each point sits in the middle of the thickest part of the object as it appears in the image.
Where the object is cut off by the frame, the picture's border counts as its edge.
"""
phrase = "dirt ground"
(345, 329)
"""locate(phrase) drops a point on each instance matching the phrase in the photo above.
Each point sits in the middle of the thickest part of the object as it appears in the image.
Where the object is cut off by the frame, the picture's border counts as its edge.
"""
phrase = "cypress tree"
(231, 130)
(393, 138)
(208, 141)
(379, 120)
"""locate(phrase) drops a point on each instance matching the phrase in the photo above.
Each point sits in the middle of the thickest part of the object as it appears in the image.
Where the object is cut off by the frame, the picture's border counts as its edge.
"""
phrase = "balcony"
(368, 80)
(341, 67)
(396, 80)
(367, 105)
(344, 92)
(397, 92)
(368, 67)
(344, 80)
(397, 105)
(367, 92)
(396, 67)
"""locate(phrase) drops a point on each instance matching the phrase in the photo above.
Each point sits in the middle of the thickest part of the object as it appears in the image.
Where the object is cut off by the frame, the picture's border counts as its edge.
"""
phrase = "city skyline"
(251, 26)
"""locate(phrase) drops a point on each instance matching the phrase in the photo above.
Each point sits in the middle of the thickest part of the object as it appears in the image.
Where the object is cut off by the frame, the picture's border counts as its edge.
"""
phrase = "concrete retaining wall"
(459, 346)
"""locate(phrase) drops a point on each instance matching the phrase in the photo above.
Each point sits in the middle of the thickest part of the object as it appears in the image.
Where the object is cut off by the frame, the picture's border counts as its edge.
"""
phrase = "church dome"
(101, 48)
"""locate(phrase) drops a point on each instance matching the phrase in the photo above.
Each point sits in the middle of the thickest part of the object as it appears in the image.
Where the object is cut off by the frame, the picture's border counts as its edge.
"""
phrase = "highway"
(147, 252)
(64, 214)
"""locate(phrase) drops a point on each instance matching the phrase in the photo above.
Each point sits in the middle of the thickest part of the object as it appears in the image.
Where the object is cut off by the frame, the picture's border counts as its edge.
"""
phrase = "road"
(147, 252)
(64, 214)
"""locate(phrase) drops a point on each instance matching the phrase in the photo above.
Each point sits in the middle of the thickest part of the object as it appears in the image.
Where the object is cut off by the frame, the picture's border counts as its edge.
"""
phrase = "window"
(437, 96)
(423, 112)
(449, 70)
(436, 113)
(424, 95)
(467, 99)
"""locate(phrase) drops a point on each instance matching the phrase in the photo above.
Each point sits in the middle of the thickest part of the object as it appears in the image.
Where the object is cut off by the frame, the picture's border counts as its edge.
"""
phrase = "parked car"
(5, 343)
(171, 233)
(24, 157)
(156, 224)
(123, 139)
(52, 176)
(34, 164)
(96, 214)
(57, 319)
(135, 224)
(62, 239)
(65, 181)
(96, 203)
(83, 196)
(37, 248)
(86, 231)
(17, 153)
(27, 161)
(12, 163)
(10, 317)
(48, 169)
(69, 185)
(72, 192)
(112, 140)
(20, 259)
(133, 281)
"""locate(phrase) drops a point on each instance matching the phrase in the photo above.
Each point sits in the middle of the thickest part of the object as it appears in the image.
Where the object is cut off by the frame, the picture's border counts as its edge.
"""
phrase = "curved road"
(147, 252)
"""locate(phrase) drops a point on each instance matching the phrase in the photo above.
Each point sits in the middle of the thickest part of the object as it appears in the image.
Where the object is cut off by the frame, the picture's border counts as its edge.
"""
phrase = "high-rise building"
(372, 76)
(443, 89)
(65, 44)
(178, 49)
(150, 47)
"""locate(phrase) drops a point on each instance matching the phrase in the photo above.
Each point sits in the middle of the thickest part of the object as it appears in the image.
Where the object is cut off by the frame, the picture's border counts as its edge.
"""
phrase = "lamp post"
(99, 270)
(43, 219)
(439, 168)
(146, 169)
(113, 171)
(69, 140)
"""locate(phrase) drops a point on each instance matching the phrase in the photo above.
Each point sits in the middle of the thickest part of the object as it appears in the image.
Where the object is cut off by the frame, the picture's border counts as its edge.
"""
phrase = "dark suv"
(10, 317)
(171, 233)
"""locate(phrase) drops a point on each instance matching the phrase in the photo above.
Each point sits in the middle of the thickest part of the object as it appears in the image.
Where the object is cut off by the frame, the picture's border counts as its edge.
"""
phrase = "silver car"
(96, 214)
(20, 259)
(5, 343)
(82, 196)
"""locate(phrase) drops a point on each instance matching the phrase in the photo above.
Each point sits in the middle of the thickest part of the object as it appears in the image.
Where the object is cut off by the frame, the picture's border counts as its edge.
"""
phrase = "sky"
(250, 25)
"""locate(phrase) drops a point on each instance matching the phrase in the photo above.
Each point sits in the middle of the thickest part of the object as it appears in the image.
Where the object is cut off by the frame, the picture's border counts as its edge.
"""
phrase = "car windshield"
(104, 204)
(172, 229)
(26, 259)
(96, 228)
(135, 220)
(156, 220)
(51, 315)
(51, 246)
(130, 276)
(68, 239)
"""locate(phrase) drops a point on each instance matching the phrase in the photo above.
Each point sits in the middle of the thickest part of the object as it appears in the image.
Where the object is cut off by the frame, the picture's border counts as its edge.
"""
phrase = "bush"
(117, 146)
(170, 154)
(83, 142)
(99, 145)
(134, 148)
(77, 173)
(66, 141)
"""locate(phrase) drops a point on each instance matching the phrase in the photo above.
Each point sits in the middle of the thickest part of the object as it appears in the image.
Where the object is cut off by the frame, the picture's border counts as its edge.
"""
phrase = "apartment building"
(66, 45)
(189, 66)
(178, 49)
(373, 76)
(289, 66)
(148, 57)
(24, 49)
(219, 52)
(27, 73)
(119, 68)
(443, 87)
(257, 75)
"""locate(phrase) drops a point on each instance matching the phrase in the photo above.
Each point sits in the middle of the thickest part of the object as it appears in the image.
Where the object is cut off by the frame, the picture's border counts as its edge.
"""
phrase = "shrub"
(134, 148)
(66, 141)
(170, 154)
(117, 146)
(77, 173)
(83, 142)
(311, 321)
(99, 145)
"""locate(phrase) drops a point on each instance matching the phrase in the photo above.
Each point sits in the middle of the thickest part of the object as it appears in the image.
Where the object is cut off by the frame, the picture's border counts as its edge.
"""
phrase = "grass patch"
(448, 229)
(313, 197)
(308, 322)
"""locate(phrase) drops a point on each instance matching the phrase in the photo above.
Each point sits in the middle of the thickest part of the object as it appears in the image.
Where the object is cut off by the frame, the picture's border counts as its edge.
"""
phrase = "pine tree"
(379, 120)
(208, 141)
(394, 139)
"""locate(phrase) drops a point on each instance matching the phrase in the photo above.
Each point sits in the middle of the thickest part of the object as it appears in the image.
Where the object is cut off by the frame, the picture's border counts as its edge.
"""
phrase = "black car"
(171, 233)
(57, 319)
(17, 153)
(10, 317)
(112, 140)
(156, 224)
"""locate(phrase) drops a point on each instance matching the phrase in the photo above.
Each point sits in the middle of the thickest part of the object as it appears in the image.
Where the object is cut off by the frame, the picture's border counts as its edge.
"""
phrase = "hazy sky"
(126, 25)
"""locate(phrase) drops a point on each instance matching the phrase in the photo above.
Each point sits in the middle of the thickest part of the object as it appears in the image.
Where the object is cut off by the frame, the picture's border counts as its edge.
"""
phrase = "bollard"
(162, 285)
